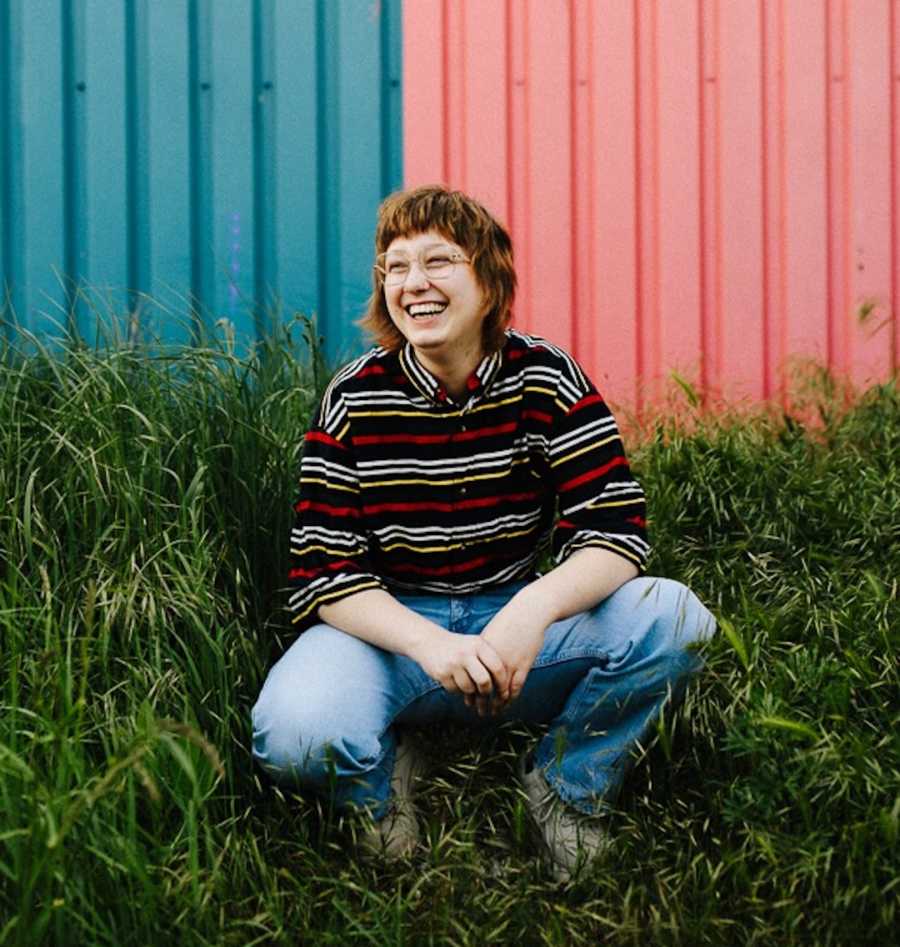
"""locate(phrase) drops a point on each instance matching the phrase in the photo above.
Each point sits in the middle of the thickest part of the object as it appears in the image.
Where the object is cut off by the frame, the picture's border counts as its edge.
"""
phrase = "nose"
(416, 278)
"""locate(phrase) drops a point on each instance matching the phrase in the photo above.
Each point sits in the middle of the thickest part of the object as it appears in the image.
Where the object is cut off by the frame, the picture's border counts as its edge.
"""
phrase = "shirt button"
(462, 491)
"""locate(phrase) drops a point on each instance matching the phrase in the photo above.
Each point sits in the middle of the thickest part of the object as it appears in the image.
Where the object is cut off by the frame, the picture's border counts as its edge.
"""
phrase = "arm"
(332, 577)
(587, 577)
(599, 539)
(460, 663)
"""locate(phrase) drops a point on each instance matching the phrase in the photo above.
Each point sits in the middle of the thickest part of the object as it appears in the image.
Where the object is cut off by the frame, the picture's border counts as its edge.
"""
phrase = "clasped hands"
(489, 669)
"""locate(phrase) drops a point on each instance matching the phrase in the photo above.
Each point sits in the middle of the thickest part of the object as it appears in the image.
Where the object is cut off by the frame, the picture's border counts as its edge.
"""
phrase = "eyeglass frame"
(456, 256)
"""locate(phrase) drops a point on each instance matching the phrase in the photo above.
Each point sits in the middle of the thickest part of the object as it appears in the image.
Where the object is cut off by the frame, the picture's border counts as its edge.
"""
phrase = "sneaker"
(397, 834)
(571, 838)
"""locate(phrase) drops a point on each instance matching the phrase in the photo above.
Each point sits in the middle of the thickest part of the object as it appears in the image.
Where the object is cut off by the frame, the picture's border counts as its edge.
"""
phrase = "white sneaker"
(571, 838)
(397, 834)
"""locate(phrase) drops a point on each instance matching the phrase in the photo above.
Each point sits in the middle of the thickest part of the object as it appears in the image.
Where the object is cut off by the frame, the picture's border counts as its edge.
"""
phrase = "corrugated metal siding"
(193, 160)
(706, 186)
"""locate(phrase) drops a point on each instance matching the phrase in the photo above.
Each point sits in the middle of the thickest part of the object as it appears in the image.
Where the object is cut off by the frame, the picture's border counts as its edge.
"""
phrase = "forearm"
(375, 616)
(460, 663)
(587, 577)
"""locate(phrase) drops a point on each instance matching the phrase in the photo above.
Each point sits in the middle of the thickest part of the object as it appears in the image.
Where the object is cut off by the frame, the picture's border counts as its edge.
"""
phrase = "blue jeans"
(327, 714)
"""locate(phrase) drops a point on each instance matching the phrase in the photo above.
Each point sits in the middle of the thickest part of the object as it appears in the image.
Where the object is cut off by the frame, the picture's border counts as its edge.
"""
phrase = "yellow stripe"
(600, 506)
(445, 483)
(342, 432)
(341, 553)
(602, 542)
(428, 414)
(541, 391)
(341, 593)
(460, 545)
(329, 484)
(583, 450)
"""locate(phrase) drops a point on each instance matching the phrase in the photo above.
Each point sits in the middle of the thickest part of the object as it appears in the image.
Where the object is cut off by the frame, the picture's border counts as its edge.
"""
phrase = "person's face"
(441, 315)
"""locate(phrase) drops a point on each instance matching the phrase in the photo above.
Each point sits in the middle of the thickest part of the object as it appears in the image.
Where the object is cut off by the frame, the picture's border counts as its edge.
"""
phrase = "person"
(438, 468)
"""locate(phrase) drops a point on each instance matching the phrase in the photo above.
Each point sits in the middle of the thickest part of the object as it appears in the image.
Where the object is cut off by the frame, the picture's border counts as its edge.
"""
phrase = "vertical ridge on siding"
(264, 183)
(639, 202)
(894, 20)
(200, 109)
(137, 203)
(767, 185)
(75, 205)
(704, 78)
(328, 157)
(12, 217)
(390, 100)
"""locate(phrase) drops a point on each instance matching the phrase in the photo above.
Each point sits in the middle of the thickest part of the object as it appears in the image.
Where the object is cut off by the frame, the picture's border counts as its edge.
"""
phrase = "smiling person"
(439, 467)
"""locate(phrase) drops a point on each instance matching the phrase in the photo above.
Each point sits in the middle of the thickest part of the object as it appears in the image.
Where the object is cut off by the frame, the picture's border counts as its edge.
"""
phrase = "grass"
(146, 503)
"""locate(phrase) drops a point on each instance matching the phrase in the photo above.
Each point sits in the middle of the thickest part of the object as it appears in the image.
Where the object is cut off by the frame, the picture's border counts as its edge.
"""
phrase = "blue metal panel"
(12, 215)
(167, 168)
(41, 110)
(170, 135)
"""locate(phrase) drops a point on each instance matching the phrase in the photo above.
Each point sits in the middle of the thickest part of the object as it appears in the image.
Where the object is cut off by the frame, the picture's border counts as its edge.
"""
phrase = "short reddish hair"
(469, 225)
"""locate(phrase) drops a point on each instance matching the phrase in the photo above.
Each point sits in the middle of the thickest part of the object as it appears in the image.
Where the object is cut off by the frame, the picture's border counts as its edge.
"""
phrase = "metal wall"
(706, 186)
(194, 160)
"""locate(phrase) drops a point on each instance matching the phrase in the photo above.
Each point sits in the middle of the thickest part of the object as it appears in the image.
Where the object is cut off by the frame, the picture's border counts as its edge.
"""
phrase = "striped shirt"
(404, 489)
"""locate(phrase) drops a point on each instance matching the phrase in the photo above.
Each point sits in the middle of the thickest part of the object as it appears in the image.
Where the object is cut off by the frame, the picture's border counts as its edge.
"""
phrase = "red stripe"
(541, 416)
(443, 570)
(331, 567)
(592, 474)
(366, 439)
(374, 508)
(370, 370)
(586, 401)
(324, 439)
(304, 505)
(473, 382)
(637, 520)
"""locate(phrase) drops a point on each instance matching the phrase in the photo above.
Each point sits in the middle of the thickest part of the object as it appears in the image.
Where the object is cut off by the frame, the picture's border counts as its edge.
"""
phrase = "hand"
(516, 633)
(466, 664)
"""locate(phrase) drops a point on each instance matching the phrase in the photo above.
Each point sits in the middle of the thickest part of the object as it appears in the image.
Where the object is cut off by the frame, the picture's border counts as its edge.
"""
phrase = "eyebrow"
(430, 246)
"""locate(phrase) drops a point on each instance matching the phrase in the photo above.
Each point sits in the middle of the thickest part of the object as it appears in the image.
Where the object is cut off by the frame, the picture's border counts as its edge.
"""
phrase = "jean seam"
(574, 654)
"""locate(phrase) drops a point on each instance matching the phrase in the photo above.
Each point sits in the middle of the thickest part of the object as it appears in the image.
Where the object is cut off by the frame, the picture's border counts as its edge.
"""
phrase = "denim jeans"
(327, 715)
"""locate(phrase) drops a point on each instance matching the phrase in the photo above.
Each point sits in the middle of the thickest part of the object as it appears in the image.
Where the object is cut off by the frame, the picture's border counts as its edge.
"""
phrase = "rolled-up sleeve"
(329, 556)
(599, 501)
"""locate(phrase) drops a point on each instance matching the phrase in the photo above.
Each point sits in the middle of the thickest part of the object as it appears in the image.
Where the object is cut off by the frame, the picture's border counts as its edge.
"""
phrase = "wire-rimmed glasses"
(436, 262)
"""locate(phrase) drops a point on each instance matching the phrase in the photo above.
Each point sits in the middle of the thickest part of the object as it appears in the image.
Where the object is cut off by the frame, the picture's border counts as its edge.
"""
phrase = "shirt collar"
(432, 388)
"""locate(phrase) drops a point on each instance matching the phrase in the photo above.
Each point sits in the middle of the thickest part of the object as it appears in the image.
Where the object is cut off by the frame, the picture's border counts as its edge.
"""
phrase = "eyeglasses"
(435, 262)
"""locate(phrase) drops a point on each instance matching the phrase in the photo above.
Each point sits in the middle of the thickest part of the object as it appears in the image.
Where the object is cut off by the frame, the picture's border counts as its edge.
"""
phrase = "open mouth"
(425, 311)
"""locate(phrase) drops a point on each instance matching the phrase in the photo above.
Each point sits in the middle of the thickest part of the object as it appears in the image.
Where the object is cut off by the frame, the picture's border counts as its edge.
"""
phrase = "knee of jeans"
(685, 617)
(307, 745)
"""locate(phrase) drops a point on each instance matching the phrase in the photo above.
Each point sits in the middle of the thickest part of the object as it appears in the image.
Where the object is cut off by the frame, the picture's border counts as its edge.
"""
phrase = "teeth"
(426, 309)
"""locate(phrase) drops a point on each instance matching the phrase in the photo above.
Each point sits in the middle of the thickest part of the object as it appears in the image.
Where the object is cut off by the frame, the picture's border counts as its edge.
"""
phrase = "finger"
(517, 682)
(483, 706)
(464, 682)
(480, 675)
(493, 662)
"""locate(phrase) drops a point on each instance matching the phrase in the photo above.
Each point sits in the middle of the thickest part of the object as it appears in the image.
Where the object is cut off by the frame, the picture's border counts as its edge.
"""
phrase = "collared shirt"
(405, 489)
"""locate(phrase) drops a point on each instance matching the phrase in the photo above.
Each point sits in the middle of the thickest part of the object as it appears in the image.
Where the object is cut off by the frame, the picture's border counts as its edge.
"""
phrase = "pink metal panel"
(870, 182)
(701, 186)
(609, 343)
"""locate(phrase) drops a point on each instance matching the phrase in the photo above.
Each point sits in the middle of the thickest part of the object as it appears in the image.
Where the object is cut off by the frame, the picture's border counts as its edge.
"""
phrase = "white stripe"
(596, 429)
(320, 465)
(578, 507)
(501, 524)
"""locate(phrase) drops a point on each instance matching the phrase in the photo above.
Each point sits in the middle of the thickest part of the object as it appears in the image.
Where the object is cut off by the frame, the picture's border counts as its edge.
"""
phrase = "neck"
(453, 373)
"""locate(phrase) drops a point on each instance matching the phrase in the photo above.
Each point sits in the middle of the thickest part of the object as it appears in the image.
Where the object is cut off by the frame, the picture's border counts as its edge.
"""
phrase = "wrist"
(423, 640)
(535, 599)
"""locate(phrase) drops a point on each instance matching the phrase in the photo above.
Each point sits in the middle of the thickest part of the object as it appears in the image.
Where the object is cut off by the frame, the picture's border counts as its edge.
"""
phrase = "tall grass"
(146, 504)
